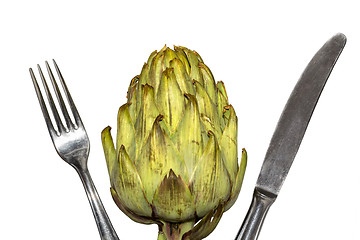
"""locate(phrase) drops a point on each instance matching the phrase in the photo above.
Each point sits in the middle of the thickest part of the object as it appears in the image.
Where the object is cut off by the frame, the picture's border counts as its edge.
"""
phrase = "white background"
(258, 48)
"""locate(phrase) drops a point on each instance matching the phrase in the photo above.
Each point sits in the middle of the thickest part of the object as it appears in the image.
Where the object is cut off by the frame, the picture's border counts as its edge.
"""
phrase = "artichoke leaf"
(131, 95)
(109, 148)
(221, 86)
(198, 56)
(194, 66)
(208, 111)
(228, 144)
(132, 89)
(182, 77)
(151, 57)
(188, 137)
(146, 118)
(173, 201)
(131, 215)
(127, 183)
(210, 182)
(144, 75)
(157, 157)
(238, 181)
(222, 103)
(206, 225)
(170, 100)
(209, 82)
(156, 69)
(143, 80)
(126, 131)
(182, 56)
(168, 56)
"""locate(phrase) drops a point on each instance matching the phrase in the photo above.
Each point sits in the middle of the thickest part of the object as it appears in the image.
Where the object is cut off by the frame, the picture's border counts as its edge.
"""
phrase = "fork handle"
(106, 230)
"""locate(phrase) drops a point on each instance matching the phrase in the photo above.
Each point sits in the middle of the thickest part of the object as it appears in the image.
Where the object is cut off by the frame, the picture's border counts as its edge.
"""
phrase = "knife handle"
(261, 202)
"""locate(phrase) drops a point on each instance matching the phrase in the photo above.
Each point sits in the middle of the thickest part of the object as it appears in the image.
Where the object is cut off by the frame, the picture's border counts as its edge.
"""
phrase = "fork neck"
(80, 166)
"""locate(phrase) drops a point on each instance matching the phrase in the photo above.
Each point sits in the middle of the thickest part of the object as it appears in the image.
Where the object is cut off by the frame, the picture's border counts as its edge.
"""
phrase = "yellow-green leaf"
(210, 182)
(173, 201)
(238, 182)
(222, 103)
(207, 224)
(146, 118)
(109, 149)
(131, 90)
(208, 112)
(126, 131)
(170, 100)
(143, 80)
(151, 57)
(188, 137)
(156, 69)
(194, 66)
(130, 214)
(131, 96)
(182, 77)
(220, 85)
(198, 56)
(168, 56)
(182, 56)
(157, 157)
(144, 75)
(128, 186)
(228, 144)
(209, 82)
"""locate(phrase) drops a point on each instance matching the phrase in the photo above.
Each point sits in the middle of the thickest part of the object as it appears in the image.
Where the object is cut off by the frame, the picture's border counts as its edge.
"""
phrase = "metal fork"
(72, 144)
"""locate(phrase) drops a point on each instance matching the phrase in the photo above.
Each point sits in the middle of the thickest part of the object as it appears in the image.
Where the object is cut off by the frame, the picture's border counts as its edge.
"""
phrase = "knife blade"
(289, 133)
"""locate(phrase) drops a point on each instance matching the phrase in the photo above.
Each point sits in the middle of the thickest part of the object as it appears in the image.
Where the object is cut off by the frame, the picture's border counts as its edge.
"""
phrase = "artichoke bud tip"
(159, 118)
(210, 133)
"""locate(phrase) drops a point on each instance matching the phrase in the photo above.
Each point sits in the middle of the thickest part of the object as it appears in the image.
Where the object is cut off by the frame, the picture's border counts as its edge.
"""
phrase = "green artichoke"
(175, 162)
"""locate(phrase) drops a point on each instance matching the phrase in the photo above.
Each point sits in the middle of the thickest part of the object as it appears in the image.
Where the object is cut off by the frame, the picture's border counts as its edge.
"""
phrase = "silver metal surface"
(289, 134)
(72, 144)
(296, 115)
(260, 205)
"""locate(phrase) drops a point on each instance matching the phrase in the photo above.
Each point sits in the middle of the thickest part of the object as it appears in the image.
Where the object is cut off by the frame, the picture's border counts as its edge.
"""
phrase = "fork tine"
(42, 105)
(56, 115)
(69, 123)
(68, 96)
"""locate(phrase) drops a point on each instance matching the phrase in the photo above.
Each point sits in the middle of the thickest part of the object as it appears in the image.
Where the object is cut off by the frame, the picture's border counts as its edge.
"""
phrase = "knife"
(288, 134)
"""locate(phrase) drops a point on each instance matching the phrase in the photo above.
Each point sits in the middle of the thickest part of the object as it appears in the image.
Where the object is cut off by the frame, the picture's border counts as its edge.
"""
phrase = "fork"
(72, 144)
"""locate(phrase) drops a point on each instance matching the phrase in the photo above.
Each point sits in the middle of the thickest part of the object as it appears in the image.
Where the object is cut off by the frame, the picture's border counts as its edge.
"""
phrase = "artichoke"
(175, 159)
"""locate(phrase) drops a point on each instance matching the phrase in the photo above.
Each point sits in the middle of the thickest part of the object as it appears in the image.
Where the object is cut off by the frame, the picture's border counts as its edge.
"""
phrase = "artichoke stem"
(174, 231)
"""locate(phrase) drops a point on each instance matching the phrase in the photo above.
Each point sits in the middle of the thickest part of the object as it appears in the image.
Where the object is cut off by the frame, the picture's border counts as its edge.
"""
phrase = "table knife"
(288, 134)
